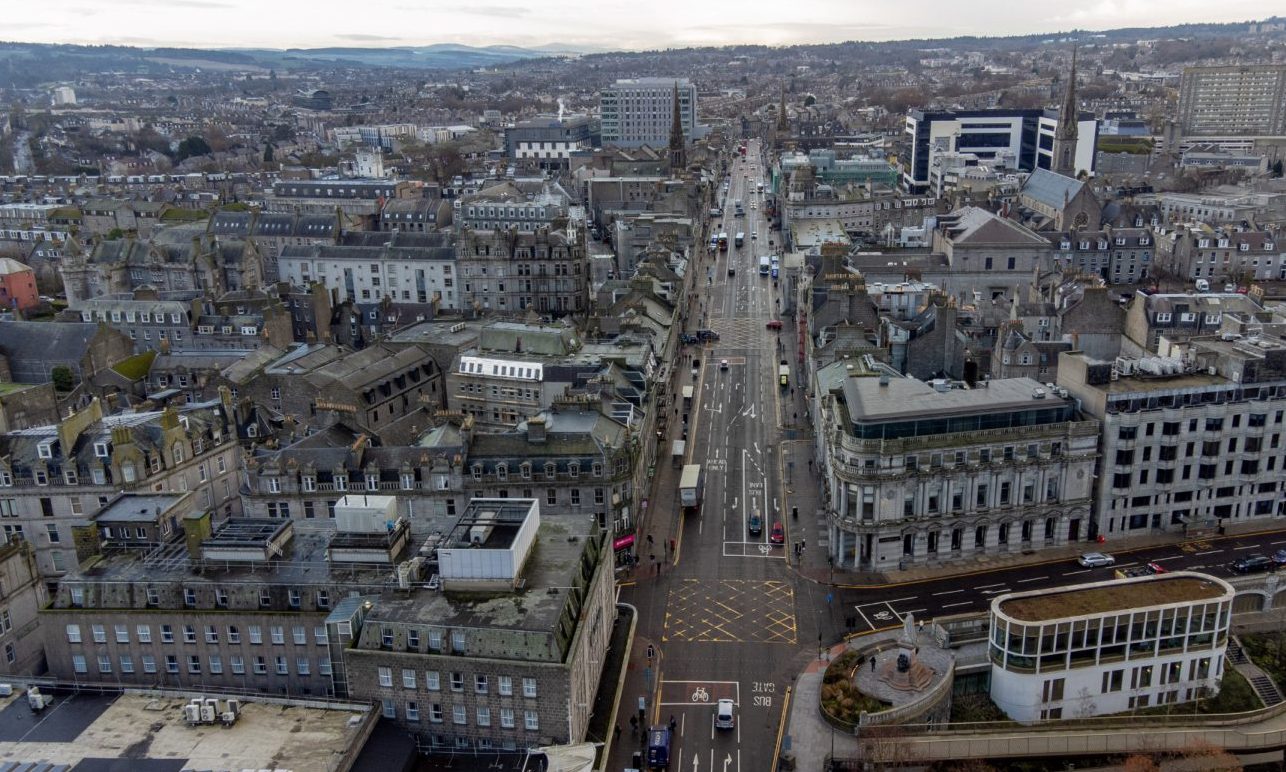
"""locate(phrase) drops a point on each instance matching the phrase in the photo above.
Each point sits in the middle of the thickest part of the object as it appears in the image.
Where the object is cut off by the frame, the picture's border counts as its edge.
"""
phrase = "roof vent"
(1038, 394)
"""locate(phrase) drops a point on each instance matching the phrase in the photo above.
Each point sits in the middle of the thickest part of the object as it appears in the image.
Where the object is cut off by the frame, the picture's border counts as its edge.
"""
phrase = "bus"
(783, 374)
(764, 265)
(723, 242)
(714, 242)
(775, 266)
(740, 239)
(761, 187)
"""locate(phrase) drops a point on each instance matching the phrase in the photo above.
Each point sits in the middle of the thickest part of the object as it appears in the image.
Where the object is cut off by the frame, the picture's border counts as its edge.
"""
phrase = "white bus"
(765, 265)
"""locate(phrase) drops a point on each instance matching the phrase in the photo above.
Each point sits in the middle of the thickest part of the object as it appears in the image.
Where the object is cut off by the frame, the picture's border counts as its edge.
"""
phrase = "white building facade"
(1153, 640)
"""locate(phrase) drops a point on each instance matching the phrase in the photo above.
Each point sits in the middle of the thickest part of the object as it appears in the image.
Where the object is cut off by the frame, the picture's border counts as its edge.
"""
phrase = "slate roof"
(972, 226)
(1051, 189)
(30, 346)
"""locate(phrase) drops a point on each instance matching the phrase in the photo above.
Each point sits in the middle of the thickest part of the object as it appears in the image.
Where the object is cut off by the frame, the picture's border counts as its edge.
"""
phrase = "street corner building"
(936, 473)
(1108, 647)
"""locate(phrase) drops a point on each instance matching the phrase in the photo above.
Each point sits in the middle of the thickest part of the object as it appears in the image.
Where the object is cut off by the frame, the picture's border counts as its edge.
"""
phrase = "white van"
(1203, 285)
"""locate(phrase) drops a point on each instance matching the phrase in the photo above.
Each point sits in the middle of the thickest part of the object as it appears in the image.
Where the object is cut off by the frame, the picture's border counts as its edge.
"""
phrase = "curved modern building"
(1108, 647)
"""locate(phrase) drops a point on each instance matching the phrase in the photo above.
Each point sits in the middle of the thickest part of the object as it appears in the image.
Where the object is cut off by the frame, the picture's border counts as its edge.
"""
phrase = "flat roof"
(148, 729)
(908, 398)
(1111, 596)
(138, 507)
(553, 566)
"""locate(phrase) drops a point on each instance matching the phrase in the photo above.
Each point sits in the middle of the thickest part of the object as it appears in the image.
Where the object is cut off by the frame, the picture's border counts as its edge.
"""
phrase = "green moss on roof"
(137, 366)
(65, 212)
(186, 215)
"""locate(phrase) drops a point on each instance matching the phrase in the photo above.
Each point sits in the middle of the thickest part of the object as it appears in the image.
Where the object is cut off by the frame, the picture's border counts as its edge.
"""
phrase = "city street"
(725, 620)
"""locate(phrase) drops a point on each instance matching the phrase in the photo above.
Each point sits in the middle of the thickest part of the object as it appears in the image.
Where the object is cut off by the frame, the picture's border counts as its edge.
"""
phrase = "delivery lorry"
(691, 484)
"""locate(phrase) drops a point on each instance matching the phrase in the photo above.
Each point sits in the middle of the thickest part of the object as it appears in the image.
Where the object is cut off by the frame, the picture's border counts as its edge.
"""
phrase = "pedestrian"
(673, 724)
(872, 663)
(617, 734)
(634, 725)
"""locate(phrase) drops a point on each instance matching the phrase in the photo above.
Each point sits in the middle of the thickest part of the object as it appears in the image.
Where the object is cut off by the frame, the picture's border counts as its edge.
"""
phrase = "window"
(530, 720)
(171, 663)
(435, 640)
(211, 634)
(528, 687)
(386, 676)
(432, 680)
(505, 685)
(484, 716)
(73, 633)
(216, 664)
(194, 664)
(435, 713)
(459, 715)
(256, 634)
(144, 633)
(408, 678)
(457, 682)
(78, 663)
(480, 684)
(282, 667)
(238, 664)
(457, 640)
(100, 634)
(127, 663)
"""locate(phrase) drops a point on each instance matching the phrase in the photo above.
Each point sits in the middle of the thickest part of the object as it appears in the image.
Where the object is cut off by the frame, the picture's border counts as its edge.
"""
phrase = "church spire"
(676, 134)
(783, 124)
(1065, 138)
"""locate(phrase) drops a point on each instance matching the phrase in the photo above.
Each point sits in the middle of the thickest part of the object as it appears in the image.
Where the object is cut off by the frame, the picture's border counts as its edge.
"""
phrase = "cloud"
(361, 37)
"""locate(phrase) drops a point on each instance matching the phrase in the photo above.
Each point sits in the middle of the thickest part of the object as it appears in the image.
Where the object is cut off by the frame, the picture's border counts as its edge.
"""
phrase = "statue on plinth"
(906, 672)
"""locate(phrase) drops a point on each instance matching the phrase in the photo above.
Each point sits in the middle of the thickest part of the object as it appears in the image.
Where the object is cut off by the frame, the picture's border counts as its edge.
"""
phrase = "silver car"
(1096, 559)
(723, 718)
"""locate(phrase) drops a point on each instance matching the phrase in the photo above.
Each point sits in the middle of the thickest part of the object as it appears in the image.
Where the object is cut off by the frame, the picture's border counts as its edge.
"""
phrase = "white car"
(754, 235)
(723, 718)
(1096, 560)
(723, 364)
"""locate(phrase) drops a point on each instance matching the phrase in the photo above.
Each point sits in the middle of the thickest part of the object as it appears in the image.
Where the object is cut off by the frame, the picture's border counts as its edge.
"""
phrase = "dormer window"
(177, 452)
(477, 471)
(1144, 241)
(1085, 245)
(1065, 245)
(274, 485)
(100, 449)
(525, 469)
(1163, 318)
(1269, 246)
(1203, 243)
(1212, 318)
(372, 482)
(45, 450)
(341, 482)
(551, 471)
(1243, 247)
(1120, 241)
(1223, 243)
(573, 469)
(308, 483)
(502, 471)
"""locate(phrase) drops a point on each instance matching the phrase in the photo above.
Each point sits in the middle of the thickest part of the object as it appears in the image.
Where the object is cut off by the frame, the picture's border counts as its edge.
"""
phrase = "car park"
(723, 715)
(1096, 559)
(1252, 564)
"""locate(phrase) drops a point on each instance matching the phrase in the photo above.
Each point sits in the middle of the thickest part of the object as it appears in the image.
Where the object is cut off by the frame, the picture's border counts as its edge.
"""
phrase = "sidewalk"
(818, 571)
(641, 677)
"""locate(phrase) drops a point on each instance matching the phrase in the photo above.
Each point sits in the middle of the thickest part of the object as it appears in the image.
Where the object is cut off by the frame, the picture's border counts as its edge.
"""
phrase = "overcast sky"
(598, 24)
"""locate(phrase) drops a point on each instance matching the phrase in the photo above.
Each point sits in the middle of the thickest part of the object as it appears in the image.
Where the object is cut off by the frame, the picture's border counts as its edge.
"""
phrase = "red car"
(775, 324)
(778, 534)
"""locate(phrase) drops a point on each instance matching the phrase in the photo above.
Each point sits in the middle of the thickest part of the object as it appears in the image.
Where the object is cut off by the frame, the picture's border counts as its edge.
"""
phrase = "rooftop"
(148, 730)
(553, 567)
(1111, 596)
(904, 398)
(138, 508)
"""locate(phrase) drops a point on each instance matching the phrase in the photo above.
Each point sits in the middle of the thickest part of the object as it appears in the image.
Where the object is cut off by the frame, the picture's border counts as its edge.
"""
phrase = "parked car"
(688, 339)
(778, 534)
(723, 718)
(1096, 559)
(1252, 564)
(1279, 557)
(775, 324)
(705, 335)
